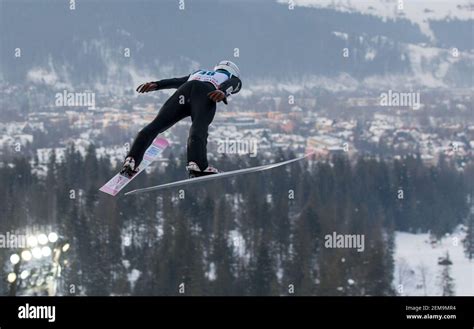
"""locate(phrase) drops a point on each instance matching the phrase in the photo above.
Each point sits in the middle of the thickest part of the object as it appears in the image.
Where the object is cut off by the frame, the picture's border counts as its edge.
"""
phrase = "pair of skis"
(119, 181)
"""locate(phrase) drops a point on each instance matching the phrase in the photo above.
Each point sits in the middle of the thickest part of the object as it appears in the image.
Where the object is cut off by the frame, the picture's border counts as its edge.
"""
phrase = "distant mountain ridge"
(85, 46)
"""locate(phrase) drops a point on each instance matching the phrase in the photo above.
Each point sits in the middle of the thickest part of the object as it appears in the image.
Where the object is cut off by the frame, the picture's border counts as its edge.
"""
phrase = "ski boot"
(128, 168)
(194, 170)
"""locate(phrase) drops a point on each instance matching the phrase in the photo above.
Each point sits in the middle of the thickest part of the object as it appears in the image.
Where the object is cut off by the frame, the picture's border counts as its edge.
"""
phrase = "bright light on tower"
(37, 252)
(26, 255)
(14, 259)
(24, 274)
(52, 237)
(11, 277)
(32, 241)
(46, 251)
(66, 247)
(42, 239)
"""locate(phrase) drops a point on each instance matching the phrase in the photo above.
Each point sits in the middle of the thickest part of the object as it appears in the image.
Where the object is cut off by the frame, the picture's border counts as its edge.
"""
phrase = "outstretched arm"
(162, 84)
(227, 88)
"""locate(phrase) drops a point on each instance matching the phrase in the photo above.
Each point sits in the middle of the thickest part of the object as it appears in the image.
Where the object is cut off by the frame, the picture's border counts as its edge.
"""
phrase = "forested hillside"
(260, 234)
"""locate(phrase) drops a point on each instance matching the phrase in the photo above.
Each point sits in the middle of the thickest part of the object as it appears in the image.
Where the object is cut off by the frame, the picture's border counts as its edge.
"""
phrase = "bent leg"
(171, 112)
(202, 114)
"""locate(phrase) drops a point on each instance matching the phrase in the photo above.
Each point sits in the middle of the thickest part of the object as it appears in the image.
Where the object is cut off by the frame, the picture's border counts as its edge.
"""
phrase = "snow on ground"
(237, 241)
(133, 277)
(430, 65)
(211, 274)
(415, 257)
(419, 12)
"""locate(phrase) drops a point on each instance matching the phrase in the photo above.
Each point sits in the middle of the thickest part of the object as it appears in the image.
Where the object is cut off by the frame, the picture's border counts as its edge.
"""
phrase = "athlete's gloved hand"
(217, 96)
(147, 87)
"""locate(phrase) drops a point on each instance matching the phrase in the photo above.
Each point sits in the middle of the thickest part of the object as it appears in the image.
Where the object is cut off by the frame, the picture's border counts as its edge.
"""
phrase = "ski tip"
(108, 191)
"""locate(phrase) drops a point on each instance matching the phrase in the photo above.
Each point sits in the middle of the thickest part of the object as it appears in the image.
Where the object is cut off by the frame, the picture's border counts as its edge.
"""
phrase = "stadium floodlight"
(32, 241)
(53, 237)
(42, 239)
(24, 274)
(26, 255)
(11, 277)
(66, 247)
(14, 259)
(46, 251)
(37, 253)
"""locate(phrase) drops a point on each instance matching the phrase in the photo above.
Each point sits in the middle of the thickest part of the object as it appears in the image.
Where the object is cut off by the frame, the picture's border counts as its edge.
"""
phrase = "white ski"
(216, 176)
(118, 182)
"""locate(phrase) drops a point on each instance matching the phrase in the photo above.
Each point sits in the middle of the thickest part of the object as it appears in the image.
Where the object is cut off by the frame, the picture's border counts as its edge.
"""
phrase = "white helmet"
(229, 67)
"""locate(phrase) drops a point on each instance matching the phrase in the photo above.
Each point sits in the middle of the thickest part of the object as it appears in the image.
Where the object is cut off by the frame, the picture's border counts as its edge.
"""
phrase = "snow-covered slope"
(416, 261)
(323, 44)
(419, 12)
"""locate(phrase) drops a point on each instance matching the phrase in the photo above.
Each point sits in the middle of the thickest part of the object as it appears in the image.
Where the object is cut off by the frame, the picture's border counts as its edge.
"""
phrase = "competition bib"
(216, 78)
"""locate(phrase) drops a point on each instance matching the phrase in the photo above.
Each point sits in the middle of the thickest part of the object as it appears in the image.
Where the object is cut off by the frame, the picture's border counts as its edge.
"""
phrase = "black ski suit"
(191, 99)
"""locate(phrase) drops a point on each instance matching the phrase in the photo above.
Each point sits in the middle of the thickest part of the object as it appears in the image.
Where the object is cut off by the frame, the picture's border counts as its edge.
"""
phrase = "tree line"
(257, 234)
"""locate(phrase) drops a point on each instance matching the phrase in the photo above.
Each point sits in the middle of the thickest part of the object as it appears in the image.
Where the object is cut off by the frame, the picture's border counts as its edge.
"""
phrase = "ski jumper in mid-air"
(196, 96)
